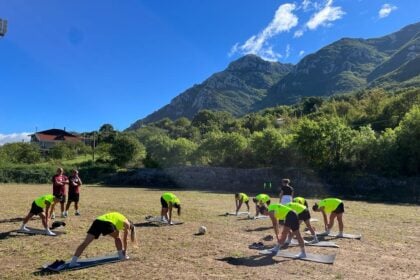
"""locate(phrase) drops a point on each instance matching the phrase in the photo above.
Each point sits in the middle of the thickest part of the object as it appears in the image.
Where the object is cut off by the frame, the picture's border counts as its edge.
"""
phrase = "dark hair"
(268, 202)
(255, 200)
(237, 195)
(315, 207)
(178, 207)
(262, 208)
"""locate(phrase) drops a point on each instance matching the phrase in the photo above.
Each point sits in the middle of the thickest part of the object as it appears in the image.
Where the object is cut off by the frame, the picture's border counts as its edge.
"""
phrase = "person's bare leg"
(340, 222)
(301, 244)
(331, 223)
(89, 238)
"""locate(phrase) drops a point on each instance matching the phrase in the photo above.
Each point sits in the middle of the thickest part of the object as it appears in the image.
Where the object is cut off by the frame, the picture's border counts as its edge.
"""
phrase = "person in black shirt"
(286, 192)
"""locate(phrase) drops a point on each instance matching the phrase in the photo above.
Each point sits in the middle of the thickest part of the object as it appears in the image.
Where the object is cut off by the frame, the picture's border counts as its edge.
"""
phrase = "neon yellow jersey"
(243, 197)
(299, 200)
(115, 218)
(297, 207)
(280, 210)
(329, 204)
(40, 201)
(171, 198)
(262, 198)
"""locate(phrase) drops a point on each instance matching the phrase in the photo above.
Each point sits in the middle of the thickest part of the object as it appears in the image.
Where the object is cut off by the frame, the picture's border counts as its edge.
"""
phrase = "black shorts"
(292, 221)
(304, 215)
(339, 209)
(99, 227)
(35, 209)
(74, 197)
(61, 197)
(164, 203)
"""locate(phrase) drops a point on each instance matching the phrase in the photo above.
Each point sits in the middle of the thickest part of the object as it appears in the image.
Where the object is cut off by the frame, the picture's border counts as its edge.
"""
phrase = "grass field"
(388, 249)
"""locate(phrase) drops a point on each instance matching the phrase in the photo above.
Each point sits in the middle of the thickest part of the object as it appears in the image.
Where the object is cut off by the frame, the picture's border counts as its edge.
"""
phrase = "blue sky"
(79, 64)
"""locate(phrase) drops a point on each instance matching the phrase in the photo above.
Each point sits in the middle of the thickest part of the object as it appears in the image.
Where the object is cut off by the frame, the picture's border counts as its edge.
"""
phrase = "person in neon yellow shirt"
(37, 208)
(301, 200)
(305, 216)
(169, 201)
(334, 207)
(108, 224)
(259, 200)
(278, 212)
(239, 199)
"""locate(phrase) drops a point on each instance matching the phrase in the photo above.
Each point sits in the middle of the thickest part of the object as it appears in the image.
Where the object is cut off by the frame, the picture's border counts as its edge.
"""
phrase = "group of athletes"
(289, 213)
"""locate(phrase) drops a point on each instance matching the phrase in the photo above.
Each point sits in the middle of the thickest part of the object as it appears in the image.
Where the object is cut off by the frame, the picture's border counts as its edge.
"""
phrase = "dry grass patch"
(388, 249)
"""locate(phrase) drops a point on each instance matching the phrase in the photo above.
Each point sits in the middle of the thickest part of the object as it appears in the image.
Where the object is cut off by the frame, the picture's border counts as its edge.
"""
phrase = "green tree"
(126, 149)
(326, 143)
(271, 147)
(26, 153)
(408, 142)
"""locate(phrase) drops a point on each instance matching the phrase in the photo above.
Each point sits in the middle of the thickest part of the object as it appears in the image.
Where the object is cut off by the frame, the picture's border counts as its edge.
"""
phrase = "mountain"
(250, 83)
(235, 90)
(348, 65)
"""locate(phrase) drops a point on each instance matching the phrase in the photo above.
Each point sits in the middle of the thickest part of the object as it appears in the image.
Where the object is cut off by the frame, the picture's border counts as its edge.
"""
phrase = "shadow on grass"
(251, 261)
(44, 272)
(146, 224)
(258, 229)
(15, 220)
(11, 234)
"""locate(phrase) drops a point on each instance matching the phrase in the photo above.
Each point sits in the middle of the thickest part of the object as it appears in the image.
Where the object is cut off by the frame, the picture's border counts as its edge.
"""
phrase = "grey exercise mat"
(234, 213)
(313, 220)
(295, 243)
(267, 252)
(84, 263)
(328, 259)
(258, 217)
(40, 231)
(164, 222)
(345, 235)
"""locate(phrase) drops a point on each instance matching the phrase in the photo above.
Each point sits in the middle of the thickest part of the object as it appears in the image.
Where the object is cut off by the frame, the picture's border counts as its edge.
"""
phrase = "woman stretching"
(108, 224)
(334, 207)
(239, 199)
(279, 212)
(37, 208)
(259, 200)
(168, 201)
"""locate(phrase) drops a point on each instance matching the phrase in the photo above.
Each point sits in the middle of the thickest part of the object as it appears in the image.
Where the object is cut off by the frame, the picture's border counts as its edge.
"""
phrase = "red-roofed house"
(48, 138)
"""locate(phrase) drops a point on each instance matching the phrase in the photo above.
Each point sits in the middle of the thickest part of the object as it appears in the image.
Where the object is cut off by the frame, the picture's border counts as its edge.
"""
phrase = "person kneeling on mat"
(305, 216)
(291, 226)
(37, 208)
(335, 207)
(239, 199)
(260, 200)
(108, 224)
(168, 201)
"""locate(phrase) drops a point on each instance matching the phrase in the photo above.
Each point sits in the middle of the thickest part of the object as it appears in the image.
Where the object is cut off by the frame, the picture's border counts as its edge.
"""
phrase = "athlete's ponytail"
(315, 207)
(133, 234)
(178, 207)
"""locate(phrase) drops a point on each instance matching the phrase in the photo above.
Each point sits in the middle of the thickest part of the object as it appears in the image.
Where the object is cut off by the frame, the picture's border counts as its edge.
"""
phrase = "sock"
(121, 254)
(73, 260)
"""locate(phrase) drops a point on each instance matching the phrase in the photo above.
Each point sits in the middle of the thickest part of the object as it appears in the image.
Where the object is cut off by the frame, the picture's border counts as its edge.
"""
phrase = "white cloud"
(298, 33)
(283, 20)
(325, 16)
(14, 137)
(301, 53)
(386, 10)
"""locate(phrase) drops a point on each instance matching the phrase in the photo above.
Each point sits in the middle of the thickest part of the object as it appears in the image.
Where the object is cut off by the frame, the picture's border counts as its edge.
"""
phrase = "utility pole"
(3, 27)
(93, 148)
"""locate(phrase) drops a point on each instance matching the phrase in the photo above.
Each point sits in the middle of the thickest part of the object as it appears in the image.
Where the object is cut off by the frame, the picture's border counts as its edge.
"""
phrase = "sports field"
(388, 249)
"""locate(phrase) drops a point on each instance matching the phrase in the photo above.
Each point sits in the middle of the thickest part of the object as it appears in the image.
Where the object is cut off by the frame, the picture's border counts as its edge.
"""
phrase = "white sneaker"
(50, 233)
(53, 216)
(315, 240)
(24, 228)
(301, 255)
(340, 234)
(275, 249)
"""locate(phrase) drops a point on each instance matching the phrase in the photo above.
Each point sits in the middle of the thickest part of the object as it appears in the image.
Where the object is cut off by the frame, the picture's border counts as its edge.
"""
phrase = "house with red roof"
(48, 138)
